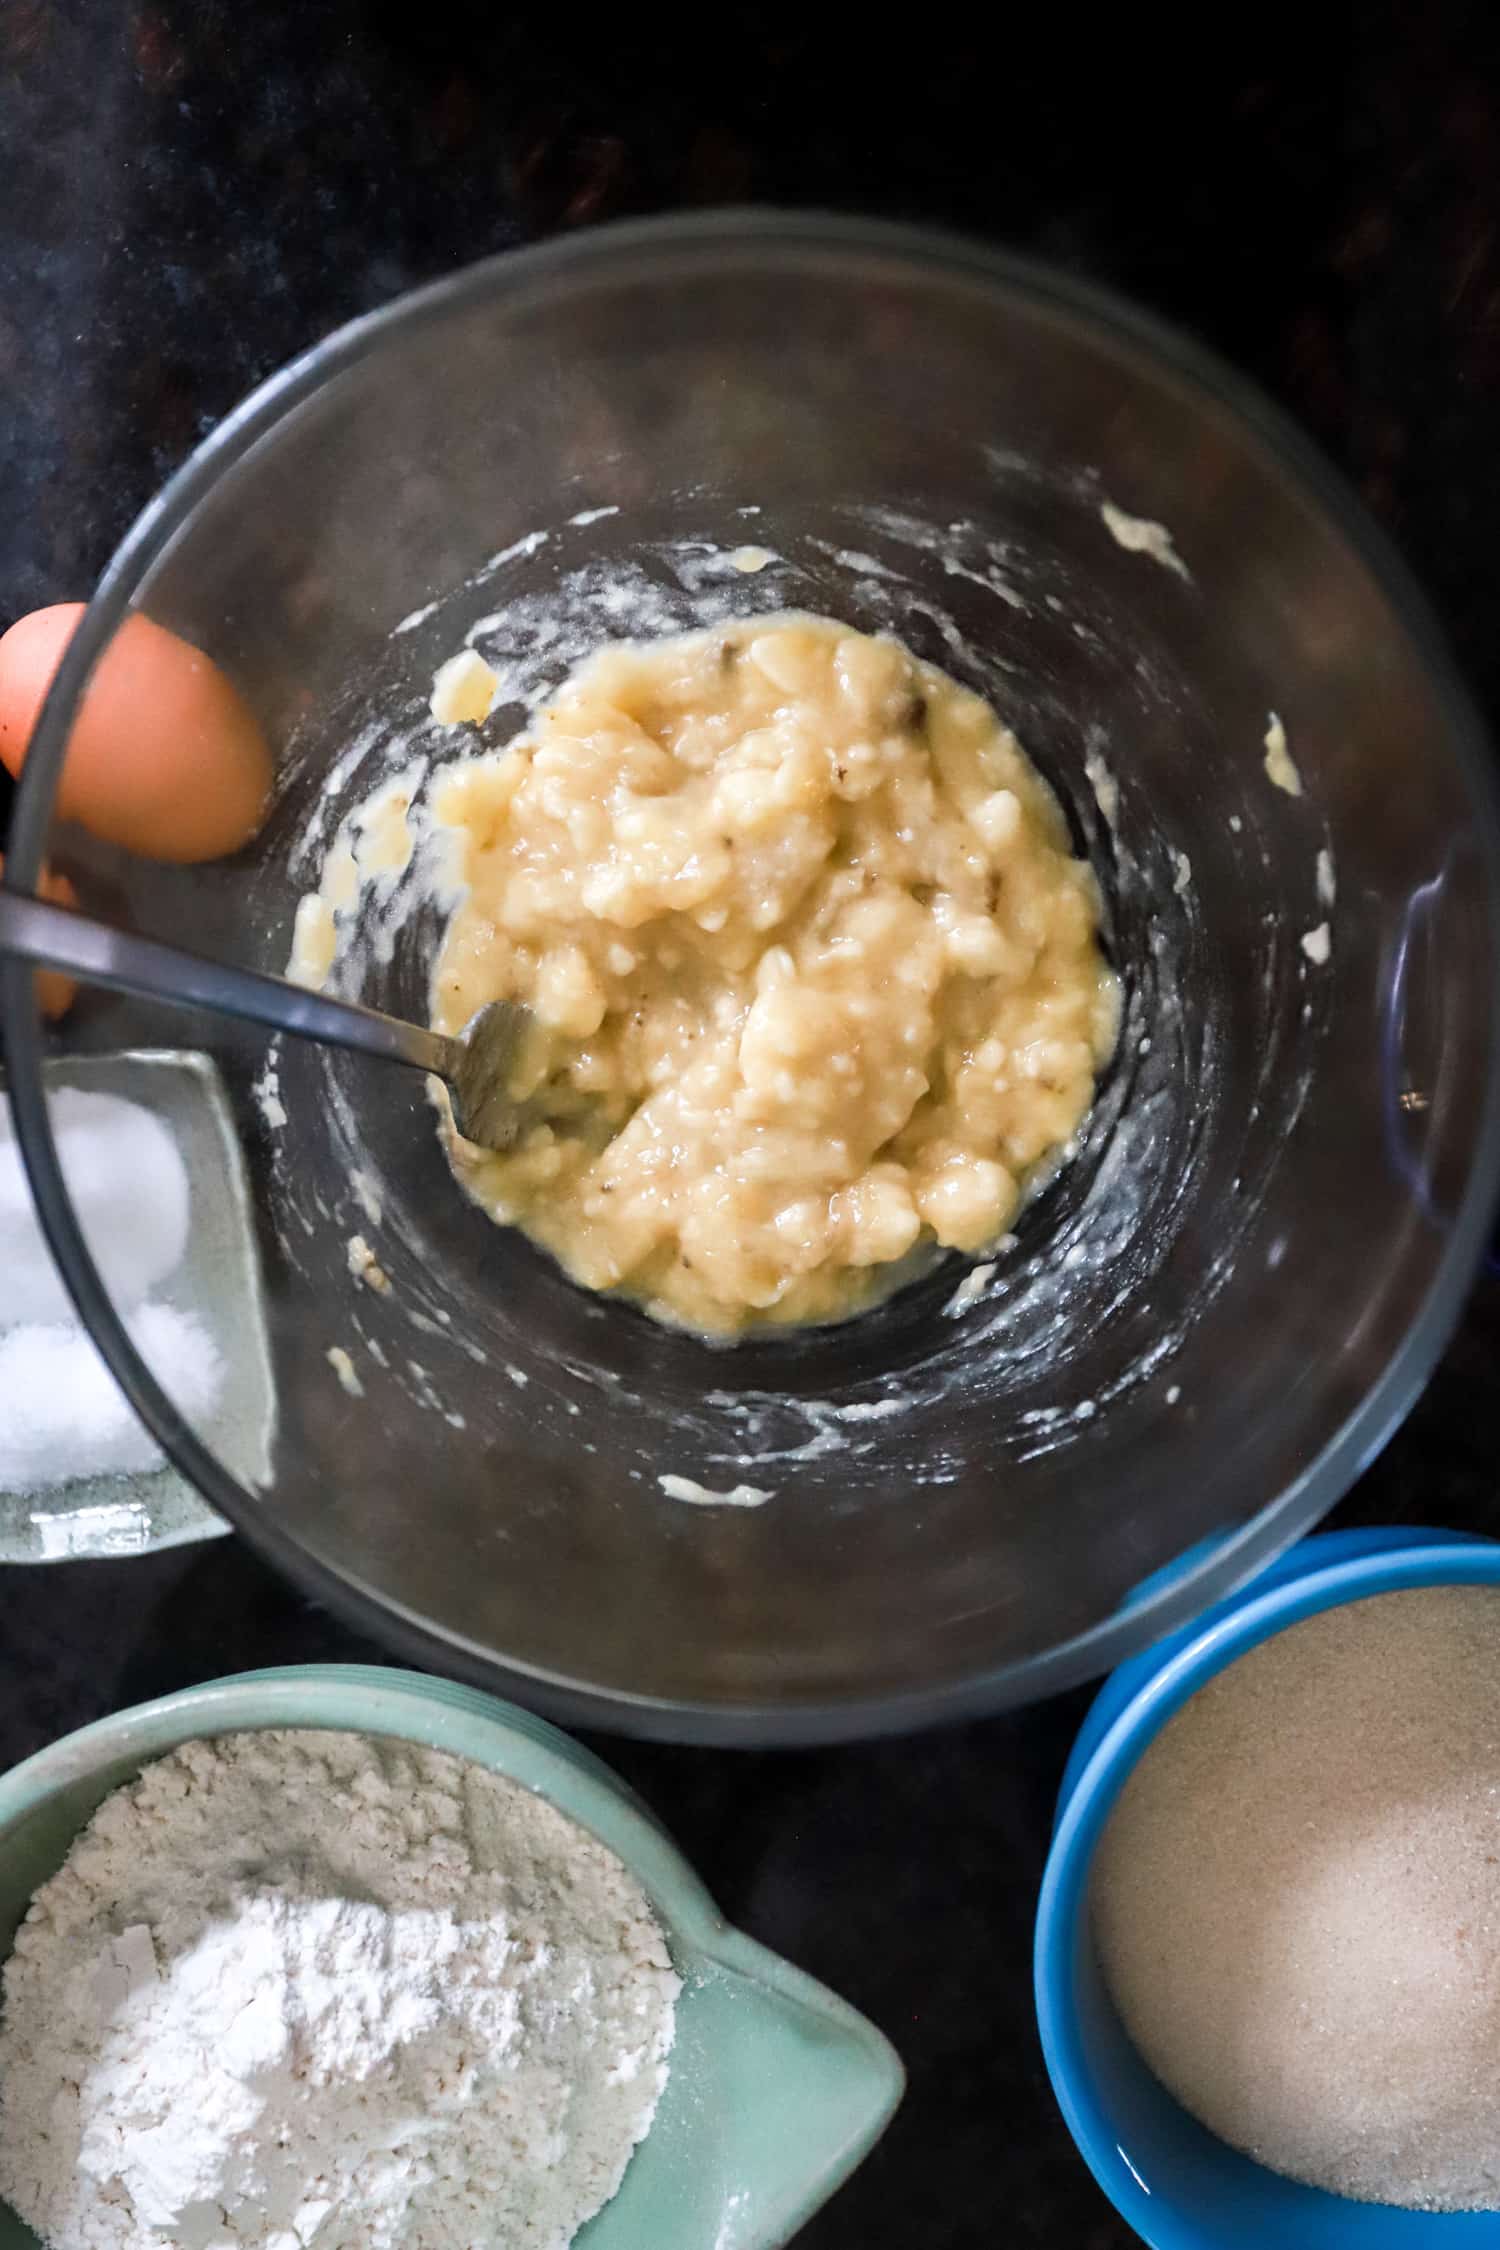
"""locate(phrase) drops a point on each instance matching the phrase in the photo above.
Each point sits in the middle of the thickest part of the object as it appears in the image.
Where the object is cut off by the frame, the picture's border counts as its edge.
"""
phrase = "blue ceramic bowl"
(1179, 2186)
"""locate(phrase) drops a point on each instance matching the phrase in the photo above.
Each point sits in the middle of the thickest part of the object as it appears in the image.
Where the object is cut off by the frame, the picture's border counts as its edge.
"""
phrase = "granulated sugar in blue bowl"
(1296, 1901)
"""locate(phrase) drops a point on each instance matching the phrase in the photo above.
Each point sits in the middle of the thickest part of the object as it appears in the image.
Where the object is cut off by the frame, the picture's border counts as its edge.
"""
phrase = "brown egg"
(165, 757)
(55, 992)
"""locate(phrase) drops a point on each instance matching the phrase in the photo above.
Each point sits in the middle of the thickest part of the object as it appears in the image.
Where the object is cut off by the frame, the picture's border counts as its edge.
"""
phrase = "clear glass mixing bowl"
(1219, 1309)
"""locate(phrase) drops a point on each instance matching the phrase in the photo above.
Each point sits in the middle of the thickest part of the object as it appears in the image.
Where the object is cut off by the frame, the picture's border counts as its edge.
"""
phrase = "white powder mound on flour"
(1297, 1901)
(312, 1991)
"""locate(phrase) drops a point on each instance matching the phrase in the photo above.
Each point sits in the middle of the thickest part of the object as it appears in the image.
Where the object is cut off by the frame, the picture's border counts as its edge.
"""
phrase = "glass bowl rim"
(572, 262)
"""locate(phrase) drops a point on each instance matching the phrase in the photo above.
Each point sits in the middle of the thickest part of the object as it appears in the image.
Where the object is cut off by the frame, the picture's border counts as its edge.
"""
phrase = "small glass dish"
(218, 1282)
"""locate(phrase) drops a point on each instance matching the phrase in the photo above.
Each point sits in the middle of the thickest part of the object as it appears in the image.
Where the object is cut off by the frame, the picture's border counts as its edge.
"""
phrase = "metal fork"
(474, 1067)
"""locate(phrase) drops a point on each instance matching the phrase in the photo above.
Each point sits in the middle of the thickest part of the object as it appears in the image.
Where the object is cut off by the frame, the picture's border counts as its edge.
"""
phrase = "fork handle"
(56, 938)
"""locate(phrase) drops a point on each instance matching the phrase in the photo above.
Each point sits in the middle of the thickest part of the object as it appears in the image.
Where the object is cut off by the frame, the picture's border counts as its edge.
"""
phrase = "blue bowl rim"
(567, 264)
(1324, 1572)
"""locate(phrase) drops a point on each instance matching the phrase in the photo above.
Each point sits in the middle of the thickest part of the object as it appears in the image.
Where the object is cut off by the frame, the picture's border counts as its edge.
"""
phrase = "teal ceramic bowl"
(777, 2089)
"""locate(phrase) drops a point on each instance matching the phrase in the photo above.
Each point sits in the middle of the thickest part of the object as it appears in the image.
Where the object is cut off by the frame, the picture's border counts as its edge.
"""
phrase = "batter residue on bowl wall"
(815, 974)
(535, 612)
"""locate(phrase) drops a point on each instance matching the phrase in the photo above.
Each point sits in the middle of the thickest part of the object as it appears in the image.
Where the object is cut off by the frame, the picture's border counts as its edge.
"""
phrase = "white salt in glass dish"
(1177, 2184)
(777, 2089)
(206, 1305)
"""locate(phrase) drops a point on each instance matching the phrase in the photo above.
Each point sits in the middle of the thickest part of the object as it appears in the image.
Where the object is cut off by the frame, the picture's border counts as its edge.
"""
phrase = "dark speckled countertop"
(196, 189)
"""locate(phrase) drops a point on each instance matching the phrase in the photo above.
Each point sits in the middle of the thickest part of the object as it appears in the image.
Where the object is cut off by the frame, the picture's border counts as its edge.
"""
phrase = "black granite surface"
(191, 191)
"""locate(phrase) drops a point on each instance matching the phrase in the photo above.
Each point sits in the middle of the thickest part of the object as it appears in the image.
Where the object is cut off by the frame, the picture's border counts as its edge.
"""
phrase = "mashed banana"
(816, 978)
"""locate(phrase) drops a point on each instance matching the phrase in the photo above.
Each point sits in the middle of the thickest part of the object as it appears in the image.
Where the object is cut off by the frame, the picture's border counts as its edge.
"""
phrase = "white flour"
(299, 1989)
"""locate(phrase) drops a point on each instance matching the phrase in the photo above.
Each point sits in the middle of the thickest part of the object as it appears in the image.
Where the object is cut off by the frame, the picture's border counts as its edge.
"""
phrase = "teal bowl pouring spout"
(777, 2088)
